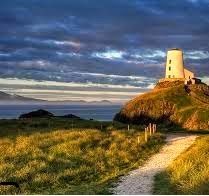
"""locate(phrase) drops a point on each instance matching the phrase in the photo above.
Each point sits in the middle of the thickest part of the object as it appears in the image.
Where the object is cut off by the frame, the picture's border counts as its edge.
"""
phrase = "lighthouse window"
(169, 68)
(169, 61)
(169, 76)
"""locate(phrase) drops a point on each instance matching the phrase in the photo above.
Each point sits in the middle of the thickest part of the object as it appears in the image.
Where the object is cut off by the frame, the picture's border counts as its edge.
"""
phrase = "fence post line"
(128, 127)
(101, 127)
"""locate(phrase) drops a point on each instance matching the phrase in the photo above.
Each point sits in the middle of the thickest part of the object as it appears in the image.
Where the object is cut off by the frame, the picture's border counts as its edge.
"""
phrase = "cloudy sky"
(94, 50)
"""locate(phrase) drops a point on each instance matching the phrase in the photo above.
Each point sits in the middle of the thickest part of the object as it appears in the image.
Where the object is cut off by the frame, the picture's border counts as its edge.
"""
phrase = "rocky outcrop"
(37, 114)
(71, 116)
(45, 114)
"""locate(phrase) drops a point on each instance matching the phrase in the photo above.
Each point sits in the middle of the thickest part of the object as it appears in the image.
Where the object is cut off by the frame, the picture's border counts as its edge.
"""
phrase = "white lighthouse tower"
(174, 69)
(174, 64)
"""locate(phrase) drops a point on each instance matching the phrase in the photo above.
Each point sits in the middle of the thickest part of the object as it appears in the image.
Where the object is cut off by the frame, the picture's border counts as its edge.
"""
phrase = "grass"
(12, 127)
(188, 174)
(70, 160)
(174, 104)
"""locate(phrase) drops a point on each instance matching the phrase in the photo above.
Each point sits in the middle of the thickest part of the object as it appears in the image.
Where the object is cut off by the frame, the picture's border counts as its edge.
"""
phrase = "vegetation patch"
(69, 161)
(188, 174)
(170, 103)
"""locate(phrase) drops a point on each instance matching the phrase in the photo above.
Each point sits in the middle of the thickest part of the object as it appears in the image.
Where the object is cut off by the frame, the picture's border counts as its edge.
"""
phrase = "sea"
(96, 112)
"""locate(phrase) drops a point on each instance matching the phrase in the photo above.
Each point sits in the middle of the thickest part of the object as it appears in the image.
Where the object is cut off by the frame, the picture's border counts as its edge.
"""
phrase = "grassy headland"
(170, 103)
(188, 174)
(51, 156)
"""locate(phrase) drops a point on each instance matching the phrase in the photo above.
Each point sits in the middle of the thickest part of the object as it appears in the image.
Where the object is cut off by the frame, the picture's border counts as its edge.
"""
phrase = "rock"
(70, 116)
(37, 114)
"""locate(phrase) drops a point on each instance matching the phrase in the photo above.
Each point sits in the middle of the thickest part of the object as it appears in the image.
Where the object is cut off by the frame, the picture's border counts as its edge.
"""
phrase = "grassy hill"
(170, 102)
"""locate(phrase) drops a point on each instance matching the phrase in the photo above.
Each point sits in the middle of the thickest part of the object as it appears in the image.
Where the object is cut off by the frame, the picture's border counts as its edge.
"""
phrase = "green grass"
(174, 105)
(188, 174)
(45, 159)
(12, 127)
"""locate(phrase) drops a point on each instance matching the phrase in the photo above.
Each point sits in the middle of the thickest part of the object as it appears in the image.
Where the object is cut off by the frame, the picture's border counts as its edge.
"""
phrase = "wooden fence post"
(101, 127)
(145, 134)
(138, 141)
(150, 129)
(128, 127)
(153, 128)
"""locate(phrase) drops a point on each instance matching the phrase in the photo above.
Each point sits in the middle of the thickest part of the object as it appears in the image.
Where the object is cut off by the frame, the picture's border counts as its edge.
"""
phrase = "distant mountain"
(102, 101)
(81, 102)
(8, 98)
(5, 97)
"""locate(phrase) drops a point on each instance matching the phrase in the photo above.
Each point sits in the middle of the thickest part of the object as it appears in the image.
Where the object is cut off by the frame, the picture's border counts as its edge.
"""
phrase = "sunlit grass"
(189, 173)
(74, 161)
(172, 105)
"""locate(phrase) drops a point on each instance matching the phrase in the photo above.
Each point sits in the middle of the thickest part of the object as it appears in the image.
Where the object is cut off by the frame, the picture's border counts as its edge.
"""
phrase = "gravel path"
(140, 181)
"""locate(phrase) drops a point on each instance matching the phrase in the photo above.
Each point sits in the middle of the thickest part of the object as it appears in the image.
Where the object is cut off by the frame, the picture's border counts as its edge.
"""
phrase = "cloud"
(205, 79)
(197, 55)
(109, 54)
(140, 82)
(51, 90)
(4, 55)
(70, 43)
(149, 54)
(121, 43)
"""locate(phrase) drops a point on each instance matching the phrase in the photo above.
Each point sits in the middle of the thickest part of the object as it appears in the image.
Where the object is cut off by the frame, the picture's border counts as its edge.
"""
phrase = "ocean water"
(97, 112)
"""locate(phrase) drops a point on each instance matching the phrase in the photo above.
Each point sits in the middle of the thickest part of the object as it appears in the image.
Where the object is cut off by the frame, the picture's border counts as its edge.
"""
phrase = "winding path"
(140, 181)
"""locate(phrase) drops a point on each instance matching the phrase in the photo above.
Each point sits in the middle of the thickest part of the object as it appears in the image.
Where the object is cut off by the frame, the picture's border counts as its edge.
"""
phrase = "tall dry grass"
(189, 173)
(80, 161)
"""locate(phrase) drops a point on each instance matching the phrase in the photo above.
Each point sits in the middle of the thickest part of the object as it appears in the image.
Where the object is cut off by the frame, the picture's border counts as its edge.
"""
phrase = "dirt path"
(140, 181)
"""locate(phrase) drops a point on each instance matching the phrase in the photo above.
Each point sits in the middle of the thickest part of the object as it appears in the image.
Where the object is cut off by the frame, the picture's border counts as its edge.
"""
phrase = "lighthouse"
(175, 69)
(174, 64)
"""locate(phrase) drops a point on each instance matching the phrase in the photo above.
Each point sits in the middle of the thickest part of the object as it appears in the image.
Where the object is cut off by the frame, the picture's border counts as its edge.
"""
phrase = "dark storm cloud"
(51, 40)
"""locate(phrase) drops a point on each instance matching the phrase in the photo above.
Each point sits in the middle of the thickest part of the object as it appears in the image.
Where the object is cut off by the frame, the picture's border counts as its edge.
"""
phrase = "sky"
(94, 50)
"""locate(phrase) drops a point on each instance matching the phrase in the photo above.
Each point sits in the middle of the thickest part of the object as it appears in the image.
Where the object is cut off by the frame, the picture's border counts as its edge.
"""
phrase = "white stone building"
(175, 69)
